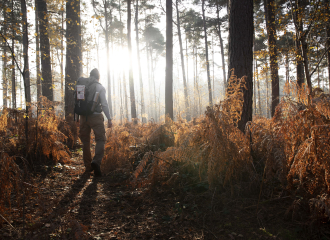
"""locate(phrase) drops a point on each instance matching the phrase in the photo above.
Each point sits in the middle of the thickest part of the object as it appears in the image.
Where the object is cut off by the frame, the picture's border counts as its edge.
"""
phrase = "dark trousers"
(95, 122)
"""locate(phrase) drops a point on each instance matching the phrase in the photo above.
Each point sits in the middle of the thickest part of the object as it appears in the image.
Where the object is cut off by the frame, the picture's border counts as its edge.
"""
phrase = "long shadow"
(87, 203)
(62, 206)
(68, 198)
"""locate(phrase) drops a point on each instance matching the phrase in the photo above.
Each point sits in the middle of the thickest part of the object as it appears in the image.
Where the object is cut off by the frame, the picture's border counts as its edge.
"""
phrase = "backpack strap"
(92, 82)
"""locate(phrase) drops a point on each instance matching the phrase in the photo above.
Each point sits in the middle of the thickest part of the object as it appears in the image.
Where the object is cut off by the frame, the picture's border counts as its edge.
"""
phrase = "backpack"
(86, 97)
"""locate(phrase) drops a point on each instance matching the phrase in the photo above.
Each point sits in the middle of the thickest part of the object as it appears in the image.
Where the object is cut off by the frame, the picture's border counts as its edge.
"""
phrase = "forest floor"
(70, 204)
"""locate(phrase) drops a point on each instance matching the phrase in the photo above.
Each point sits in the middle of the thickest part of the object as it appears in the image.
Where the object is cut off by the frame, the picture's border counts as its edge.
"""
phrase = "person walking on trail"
(94, 121)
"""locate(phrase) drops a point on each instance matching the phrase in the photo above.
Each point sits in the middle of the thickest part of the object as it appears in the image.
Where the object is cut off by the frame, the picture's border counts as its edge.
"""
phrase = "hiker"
(93, 120)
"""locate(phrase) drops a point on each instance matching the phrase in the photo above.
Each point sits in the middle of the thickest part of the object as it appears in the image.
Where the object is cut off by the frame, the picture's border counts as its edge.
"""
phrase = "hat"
(95, 73)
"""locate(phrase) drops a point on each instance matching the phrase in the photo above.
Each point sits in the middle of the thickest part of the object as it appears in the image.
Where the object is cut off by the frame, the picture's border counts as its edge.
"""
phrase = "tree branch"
(162, 8)
(325, 52)
(12, 53)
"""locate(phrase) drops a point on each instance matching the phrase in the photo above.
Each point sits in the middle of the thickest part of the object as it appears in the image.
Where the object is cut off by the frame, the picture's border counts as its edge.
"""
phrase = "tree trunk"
(20, 78)
(306, 64)
(38, 72)
(26, 71)
(318, 67)
(143, 109)
(300, 64)
(46, 70)
(222, 51)
(258, 86)
(240, 51)
(195, 74)
(207, 56)
(62, 54)
(4, 76)
(299, 55)
(13, 81)
(125, 95)
(124, 76)
(169, 61)
(112, 71)
(328, 40)
(287, 67)
(131, 80)
(254, 95)
(4, 64)
(73, 52)
(188, 117)
(271, 31)
(187, 66)
(149, 80)
(152, 65)
(199, 107)
(108, 56)
(267, 83)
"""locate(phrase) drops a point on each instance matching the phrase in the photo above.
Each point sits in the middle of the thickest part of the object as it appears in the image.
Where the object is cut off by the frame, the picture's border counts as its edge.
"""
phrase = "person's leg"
(85, 135)
(99, 132)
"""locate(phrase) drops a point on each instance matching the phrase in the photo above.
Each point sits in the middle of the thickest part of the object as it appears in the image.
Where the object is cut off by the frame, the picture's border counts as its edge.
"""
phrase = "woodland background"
(244, 85)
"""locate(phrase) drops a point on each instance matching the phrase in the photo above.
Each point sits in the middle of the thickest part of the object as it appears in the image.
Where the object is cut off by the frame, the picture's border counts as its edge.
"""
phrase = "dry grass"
(295, 144)
(45, 143)
(289, 152)
(212, 145)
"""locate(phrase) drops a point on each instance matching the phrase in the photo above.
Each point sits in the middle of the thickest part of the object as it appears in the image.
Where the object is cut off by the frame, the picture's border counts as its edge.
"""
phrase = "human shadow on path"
(63, 205)
(87, 203)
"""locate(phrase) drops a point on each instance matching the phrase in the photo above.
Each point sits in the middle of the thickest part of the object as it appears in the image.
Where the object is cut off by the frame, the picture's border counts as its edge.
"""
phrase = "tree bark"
(299, 55)
(187, 68)
(254, 94)
(106, 33)
(152, 73)
(185, 86)
(271, 30)
(124, 76)
(143, 110)
(169, 61)
(213, 63)
(328, 38)
(195, 74)
(26, 71)
(62, 54)
(38, 72)
(73, 52)
(13, 77)
(300, 65)
(258, 86)
(207, 56)
(267, 83)
(112, 70)
(46, 70)
(4, 64)
(131, 80)
(199, 107)
(306, 64)
(222, 51)
(240, 51)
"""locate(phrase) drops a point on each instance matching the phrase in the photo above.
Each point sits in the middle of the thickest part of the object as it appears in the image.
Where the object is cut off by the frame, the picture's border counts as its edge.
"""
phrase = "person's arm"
(105, 106)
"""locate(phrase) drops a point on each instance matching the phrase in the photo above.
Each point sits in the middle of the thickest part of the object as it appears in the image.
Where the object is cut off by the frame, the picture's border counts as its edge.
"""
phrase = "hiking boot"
(97, 169)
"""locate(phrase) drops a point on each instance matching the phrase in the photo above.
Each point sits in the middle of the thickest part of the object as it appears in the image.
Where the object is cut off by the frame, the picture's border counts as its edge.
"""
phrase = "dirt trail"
(75, 205)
